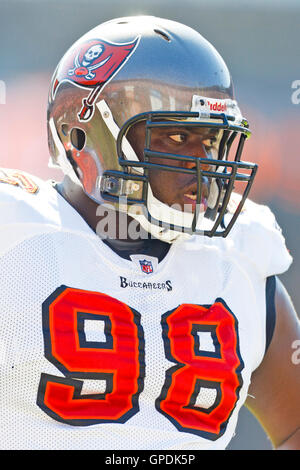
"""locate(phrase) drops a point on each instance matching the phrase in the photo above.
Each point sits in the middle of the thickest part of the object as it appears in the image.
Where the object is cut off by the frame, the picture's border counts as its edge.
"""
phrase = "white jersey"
(101, 352)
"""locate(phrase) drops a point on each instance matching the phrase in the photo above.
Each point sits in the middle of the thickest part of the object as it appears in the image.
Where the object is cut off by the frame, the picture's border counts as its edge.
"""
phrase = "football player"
(140, 307)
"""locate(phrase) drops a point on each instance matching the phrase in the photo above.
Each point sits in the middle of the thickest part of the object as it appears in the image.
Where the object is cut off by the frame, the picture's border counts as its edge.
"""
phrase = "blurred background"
(260, 43)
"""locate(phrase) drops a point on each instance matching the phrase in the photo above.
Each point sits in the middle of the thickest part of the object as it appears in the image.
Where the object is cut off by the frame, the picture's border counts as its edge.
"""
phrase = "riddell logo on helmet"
(217, 106)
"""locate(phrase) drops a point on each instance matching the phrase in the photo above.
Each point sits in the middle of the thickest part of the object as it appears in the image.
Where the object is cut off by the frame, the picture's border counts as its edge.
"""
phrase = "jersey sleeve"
(259, 238)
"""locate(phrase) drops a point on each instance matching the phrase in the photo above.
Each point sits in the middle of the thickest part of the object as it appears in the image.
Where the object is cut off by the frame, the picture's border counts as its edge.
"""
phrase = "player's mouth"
(190, 198)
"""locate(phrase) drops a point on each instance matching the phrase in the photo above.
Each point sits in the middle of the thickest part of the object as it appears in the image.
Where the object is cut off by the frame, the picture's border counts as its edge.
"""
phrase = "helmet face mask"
(156, 81)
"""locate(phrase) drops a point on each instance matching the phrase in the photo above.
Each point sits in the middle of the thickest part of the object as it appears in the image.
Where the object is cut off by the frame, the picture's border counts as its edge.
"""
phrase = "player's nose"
(200, 155)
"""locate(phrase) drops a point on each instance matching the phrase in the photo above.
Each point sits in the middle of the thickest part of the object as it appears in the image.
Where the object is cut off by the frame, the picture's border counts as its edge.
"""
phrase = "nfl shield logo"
(146, 266)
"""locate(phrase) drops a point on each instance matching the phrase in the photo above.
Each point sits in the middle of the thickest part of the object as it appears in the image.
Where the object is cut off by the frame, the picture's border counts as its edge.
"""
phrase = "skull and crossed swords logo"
(92, 65)
(86, 66)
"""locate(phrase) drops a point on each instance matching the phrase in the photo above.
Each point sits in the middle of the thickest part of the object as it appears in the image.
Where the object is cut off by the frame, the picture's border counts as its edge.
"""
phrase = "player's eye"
(178, 138)
(209, 143)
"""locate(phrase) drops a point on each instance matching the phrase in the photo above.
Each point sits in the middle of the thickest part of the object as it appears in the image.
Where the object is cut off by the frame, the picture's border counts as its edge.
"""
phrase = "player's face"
(177, 187)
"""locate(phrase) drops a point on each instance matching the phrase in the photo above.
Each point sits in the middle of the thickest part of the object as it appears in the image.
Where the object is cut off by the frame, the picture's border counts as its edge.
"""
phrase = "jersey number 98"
(119, 361)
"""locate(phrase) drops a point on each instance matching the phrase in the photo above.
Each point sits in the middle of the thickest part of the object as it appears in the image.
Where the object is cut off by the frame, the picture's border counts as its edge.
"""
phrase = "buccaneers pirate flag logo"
(92, 65)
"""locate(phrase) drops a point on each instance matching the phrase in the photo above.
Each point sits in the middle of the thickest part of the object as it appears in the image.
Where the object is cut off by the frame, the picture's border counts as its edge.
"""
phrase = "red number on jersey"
(118, 360)
(216, 371)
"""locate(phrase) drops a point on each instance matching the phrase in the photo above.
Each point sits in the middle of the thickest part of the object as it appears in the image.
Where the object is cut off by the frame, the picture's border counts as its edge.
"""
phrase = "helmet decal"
(92, 65)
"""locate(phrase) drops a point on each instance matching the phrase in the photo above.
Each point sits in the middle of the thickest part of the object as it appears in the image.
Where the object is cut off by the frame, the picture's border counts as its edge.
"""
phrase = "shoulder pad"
(25, 198)
(257, 235)
(30, 206)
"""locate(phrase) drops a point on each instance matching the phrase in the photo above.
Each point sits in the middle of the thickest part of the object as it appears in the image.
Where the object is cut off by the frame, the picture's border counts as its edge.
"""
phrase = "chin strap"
(169, 216)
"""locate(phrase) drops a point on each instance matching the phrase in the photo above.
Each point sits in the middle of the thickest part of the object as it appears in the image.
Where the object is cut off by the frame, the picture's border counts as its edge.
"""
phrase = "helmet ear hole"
(78, 138)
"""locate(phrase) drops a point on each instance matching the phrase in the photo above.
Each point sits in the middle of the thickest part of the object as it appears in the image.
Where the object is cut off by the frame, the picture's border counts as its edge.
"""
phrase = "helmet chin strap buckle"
(110, 184)
(117, 186)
